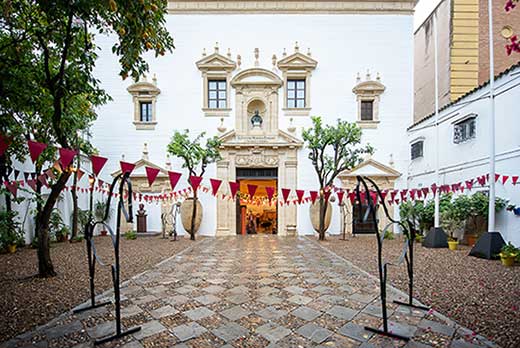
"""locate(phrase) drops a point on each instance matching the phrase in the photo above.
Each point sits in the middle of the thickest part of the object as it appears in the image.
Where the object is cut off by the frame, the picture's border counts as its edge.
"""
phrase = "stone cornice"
(287, 7)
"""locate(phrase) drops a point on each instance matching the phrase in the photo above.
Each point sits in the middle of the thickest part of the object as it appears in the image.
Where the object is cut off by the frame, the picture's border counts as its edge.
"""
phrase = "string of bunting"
(66, 157)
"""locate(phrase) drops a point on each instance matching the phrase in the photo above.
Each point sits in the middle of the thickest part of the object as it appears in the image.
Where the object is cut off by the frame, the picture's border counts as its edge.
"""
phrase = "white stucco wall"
(460, 162)
(343, 45)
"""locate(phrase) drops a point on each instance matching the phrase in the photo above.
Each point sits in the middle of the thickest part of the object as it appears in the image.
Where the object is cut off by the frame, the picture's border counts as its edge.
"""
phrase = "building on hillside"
(463, 51)
(464, 145)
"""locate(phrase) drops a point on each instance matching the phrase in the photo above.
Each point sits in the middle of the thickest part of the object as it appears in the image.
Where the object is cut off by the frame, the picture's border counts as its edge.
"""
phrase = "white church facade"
(284, 61)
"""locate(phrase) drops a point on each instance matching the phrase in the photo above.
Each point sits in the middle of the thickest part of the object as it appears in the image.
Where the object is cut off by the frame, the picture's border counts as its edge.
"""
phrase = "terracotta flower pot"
(314, 212)
(103, 232)
(187, 212)
(472, 239)
(11, 248)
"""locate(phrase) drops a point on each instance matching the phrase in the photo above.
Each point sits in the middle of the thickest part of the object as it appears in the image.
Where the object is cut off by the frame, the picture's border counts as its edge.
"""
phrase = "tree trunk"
(193, 215)
(45, 266)
(5, 171)
(74, 193)
(323, 212)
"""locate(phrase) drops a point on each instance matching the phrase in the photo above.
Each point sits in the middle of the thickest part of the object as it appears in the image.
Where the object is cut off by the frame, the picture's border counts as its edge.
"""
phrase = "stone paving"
(254, 291)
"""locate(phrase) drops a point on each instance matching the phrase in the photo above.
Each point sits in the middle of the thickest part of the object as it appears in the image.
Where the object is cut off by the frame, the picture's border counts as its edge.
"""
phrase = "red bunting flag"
(50, 173)
(469, 184)
(234, 186)
(215, 184)
(4, 143)
(497, 177)
(285, 194)
(434, 189)
(151, 174)
(98, 163)
(195, 181)
(251, 189)
(504, 179)
(66, 157)
(35, 149)
(270, 193)
(326, 195)
(314, 196)
(174, 179)
(299, 194)
(514, 179)
(352, 197)
(419, 194)
(12, 187)
(126, 167)
(384, 194)
(43, 179)
(32, 184)
(425, 191)
(412, 194)
(482, 180)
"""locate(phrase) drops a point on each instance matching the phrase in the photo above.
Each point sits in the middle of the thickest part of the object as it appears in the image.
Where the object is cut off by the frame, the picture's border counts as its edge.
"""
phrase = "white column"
(491, 213)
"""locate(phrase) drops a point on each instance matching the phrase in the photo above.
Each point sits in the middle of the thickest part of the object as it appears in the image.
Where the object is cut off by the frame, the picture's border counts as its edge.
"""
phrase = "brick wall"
(500, 19)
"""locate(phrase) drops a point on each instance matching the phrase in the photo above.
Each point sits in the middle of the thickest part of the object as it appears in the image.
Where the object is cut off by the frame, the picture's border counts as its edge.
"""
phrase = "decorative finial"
(391, 162)
(239, 61)
(221, 128)
(145, 79)
(168, 162)
(204, 52)
(154, 79)
(145, 151)
(296, 47)
(291, 127)
(122, 157)
(378, 78)
(257, 54)
(358, 78)
(216, 47)
(284, 52)
(229, 53)
(368, 77)
(309, 51)
(274, 61)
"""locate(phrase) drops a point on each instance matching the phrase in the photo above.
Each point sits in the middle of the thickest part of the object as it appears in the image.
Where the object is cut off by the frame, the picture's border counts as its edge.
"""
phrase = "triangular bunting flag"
(504, 179)
(16, 173)
(26, 175)
(50, 173)
(469, 184)
(126, 167)
(425, 191)
(270, 193)
(151, 174)
(215, 184)
(66, 157)
(434, 190)
(174, 178)
(98, 163)
(251, 189)
(326, 195)
(234, 186)
(31, 183)
(4, 143)
(35, 149)
(80, 174)
(285, 194)
(514, 179)
(340, 195)
(314, 196)
(12, 187)
(352, 197)
(195, 181)
(299, 194)
(43, 179)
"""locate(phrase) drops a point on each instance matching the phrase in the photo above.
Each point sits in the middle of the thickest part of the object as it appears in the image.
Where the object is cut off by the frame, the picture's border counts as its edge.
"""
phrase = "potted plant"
(99, 212)
(62, 235)
(453, 223)
(477, 211)
(10, 233)
(508, 253)
(195, 156)
(56, 226)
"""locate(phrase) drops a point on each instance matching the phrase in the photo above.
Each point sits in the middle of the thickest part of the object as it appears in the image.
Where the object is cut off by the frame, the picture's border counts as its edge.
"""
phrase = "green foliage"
(83, 217)
(100, 209)
(131, 235)
(423, 213)
(509, 250)
(193, 153)
(389, 235)
(56, 224)
(10, 232)
(334, 148)
(78, 238)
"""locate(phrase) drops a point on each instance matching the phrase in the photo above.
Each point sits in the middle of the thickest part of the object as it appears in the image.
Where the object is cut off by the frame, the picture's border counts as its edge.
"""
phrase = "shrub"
(10, 232)
(131, 235)
(389, 235)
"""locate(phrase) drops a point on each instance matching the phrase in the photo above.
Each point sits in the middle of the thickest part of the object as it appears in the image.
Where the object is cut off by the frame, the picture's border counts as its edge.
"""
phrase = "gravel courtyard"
(254, 291)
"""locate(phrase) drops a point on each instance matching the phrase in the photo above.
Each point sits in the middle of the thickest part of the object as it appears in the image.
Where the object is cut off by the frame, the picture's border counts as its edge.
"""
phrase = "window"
(217, 94)
(367, 110)
(295, 94)
(146, 111)
(464, 130)
(417, 149)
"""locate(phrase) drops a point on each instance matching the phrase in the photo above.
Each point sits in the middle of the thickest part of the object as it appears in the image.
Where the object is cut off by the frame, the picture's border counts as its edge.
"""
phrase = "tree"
(195, 157)
(333, 149)
(49, 92)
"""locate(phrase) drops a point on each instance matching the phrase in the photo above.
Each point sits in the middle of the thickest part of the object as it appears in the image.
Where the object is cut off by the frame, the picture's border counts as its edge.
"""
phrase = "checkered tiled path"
(254, 291)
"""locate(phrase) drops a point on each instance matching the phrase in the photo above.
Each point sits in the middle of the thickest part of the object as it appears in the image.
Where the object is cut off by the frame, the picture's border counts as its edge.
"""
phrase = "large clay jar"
(187, 212)
(315, 215)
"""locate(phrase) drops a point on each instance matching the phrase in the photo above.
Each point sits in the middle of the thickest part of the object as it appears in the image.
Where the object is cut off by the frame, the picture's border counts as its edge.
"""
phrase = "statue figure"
(257, 120)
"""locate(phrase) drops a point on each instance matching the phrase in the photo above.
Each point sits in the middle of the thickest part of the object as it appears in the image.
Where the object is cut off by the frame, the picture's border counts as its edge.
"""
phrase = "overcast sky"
(423, 10)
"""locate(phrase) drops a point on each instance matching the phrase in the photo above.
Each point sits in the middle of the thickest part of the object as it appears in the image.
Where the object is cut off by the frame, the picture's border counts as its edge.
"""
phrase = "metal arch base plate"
(412, 305)
(387, 334)
(82, 309)
(117, 336)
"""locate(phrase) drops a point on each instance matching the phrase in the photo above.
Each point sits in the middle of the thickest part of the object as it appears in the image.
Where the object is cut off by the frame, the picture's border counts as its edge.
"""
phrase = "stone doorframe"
(257, 147)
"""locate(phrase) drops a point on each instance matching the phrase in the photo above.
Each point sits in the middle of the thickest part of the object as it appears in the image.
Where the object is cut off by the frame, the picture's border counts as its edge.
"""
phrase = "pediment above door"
(281, 139)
